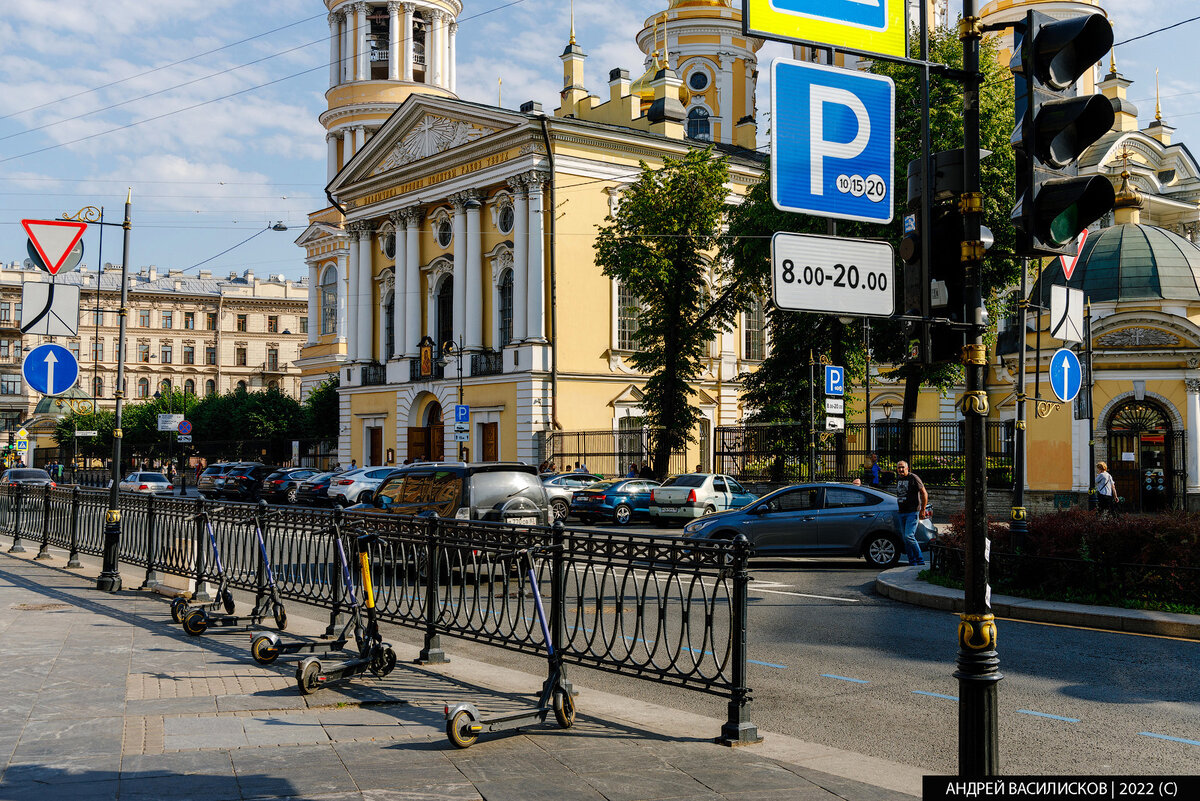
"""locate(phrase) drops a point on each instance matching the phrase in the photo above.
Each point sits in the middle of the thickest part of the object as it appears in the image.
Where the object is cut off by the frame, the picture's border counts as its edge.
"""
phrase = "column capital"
(534, 179)
(360, 229)
(453, 27)
(409, 8)
(516, 183)
(397, 218)
(1192, 384)
(335, 17)
(461, 200)
(413, 214)
(393, 6)
(360, 8)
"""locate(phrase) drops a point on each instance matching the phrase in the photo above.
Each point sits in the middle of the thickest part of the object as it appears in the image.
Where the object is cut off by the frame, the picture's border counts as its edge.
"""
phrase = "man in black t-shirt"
(913, 498)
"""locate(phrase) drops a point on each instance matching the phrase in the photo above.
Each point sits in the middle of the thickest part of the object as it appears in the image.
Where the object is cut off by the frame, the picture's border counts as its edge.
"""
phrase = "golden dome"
(701, 3)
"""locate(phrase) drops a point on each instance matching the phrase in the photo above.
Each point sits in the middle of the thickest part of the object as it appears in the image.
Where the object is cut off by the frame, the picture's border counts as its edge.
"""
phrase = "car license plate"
(524, 521)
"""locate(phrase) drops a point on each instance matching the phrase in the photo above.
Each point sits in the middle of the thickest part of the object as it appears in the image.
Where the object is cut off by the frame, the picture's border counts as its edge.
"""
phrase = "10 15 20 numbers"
(839, 275)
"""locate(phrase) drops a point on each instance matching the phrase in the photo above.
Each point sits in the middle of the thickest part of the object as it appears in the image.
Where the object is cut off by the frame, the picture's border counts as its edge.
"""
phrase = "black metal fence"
(665, 609)
(607, 453)
(778, 453)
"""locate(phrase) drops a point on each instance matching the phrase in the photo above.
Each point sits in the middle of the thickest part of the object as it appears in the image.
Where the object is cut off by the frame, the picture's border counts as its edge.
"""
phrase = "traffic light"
(1054, 127)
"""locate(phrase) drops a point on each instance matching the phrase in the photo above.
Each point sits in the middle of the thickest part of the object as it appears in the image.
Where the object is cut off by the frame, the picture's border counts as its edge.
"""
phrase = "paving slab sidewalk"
(109, 700)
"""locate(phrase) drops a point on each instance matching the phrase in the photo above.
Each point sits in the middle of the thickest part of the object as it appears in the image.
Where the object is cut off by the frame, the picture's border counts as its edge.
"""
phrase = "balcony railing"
(414, 371)
(373, 374)
(488, 362)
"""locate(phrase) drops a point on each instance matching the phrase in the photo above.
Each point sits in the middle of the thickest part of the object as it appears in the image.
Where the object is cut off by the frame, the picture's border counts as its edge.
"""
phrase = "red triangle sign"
(1069, 262)
(54, 240)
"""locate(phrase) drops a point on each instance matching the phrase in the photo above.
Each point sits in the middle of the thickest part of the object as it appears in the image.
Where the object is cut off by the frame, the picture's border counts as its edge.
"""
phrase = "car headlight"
(698, 525)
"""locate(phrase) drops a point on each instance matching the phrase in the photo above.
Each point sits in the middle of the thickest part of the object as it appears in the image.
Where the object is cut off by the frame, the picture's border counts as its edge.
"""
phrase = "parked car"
(356, 486)
(693, 495)
(314, 490)
(244, 481)
(818, 520)
(147, 484)
(284, 485)
(26, 475)
(206, 484)
(619, 500)
(561, 488)
(506, 492)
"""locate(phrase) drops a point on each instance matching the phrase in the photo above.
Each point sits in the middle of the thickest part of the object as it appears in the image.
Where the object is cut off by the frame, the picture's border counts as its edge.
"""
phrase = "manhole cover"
(40, 607)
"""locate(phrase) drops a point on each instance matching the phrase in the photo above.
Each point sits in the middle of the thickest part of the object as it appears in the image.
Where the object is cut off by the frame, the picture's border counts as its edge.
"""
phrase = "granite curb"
(902, 584)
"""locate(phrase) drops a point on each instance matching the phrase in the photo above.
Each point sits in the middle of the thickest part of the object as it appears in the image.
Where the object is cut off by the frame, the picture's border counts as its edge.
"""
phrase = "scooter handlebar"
(531, 551)
(207, 513)
(255, 518)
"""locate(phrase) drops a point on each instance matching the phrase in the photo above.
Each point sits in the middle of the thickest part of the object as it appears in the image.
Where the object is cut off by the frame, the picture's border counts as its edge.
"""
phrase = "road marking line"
(1044, 715)
(767, 664)
(1166, 737)
(845, 678)
(936, 695)
(808, 595)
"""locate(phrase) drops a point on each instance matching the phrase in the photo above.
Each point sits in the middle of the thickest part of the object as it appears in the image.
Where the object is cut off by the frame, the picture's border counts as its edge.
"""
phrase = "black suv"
(282, 485)
(496, 491)
(242, 483)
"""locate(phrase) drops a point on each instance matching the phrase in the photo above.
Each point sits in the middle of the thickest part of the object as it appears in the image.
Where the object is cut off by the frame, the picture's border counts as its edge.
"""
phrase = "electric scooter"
(199, 621)
(224, 599)
(463, 721)
(267, 646)
(374, 654)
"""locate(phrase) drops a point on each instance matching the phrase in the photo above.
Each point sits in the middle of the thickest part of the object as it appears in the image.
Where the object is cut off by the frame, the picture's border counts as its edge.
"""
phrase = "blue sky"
(208, 172)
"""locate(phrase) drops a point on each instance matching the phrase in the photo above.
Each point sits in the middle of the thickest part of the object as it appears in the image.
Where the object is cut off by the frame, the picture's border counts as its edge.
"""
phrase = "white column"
(520, 258)
(347, 135)
(406, 41)
(352, 297)
(343, 297)
(1193, 434)
(330, 156)
(314, 302)
(346, 56)
(433, 51)
(400, 284)
(412, 283)
(361, 65)
(365, 286)
(460, 266)
(360, 138)
(725, 97)
(394, 37)
(474, 307)
(535, 331)
(335, 55)
(450, 57)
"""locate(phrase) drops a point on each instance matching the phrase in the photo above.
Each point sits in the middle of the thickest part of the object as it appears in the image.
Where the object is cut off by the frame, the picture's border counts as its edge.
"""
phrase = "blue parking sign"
(832, 141)
(462, 413)
(835, 380)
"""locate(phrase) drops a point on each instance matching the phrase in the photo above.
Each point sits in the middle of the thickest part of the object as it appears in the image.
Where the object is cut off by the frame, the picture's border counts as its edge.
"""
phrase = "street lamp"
(450, 349)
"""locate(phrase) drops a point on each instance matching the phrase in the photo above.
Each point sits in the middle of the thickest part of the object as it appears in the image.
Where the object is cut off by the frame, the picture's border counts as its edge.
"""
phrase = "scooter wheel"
(306, 676)
(385, 663)
(264, 649)
(227, 601)
(178, 609)
(280, 616)
(196, 622)
(564, 708)
(459, 731)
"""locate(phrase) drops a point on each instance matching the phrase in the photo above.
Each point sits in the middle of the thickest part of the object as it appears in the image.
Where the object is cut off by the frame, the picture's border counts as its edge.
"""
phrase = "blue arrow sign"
(50, 369)
(835, 380)
(1066, 376)
(832, 143)
(462, 413)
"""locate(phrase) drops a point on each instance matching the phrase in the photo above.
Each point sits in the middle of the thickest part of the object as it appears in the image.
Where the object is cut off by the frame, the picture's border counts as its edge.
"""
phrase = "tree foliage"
(659, 245)
(322, 409)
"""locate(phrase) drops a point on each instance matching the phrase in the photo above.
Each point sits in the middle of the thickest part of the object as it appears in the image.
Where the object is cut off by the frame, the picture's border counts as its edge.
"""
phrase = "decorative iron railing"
(488, 362)
(666, 609)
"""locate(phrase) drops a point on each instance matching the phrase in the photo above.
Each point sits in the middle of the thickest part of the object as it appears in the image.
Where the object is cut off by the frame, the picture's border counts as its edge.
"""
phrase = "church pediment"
(430, 135)
(1145, 331)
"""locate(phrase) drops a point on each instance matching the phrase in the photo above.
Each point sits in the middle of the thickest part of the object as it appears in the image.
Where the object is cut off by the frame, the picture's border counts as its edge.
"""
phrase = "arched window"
(506, 307)
(143, 387)
(164, 386)
(754, 325)
(445, 311)
(241, 386)
(210, 387)
(97, 387)
(698, 124)
(329, 300)
(189, 387)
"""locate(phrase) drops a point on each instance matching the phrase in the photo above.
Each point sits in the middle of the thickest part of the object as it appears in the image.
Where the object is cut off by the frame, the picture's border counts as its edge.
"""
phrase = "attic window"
(505, 222)
(389, 246)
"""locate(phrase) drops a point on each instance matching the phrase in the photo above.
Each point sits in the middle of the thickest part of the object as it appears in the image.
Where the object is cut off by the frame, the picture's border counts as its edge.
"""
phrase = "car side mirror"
(757, 510)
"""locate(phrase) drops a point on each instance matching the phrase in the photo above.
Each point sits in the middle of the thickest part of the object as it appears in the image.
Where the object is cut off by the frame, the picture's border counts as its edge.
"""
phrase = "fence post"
(152, 579)
(738, 730)
(432, 653)
(201, 593)
(337, 617)
(44, 551)
(73, 556)
(17, 547)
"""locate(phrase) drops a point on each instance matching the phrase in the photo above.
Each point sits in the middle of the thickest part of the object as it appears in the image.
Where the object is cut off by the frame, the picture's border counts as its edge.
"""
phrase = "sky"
(207, 109)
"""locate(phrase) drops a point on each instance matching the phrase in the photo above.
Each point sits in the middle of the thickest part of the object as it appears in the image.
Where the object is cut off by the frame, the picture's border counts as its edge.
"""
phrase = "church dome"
(1133, 262)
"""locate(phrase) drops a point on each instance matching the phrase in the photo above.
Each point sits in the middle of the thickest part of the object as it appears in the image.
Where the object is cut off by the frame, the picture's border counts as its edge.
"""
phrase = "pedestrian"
(873, 469)
(699, 469)
(577, 469)
(633, 473)
(646, 471)
(913, 498)
(353, 464)
(1106, 489)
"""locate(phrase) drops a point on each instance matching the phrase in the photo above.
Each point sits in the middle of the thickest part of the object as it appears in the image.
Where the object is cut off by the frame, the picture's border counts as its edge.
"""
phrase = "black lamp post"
(450, 349)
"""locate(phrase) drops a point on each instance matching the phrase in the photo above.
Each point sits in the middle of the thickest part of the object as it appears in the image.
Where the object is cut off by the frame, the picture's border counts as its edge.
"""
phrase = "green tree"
(99, 446)
(322, 408)
(659, 246)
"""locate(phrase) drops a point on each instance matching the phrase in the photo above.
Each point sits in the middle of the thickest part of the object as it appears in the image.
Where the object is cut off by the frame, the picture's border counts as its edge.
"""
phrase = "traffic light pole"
(110, 576)
(978, 662)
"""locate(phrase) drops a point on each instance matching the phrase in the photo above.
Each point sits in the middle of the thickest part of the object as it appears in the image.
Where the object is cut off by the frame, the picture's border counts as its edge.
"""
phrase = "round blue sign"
(1066, 375)
(50, 369)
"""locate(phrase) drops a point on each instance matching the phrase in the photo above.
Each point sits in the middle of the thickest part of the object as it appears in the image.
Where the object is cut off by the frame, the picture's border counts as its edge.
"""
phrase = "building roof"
(1132, 262)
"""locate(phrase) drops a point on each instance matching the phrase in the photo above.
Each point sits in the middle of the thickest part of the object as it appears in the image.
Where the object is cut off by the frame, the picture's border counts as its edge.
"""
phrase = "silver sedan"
(147, 484)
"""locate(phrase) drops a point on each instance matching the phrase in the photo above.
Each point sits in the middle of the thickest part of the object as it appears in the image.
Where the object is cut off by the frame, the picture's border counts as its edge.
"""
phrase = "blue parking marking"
(1044, 715)
(766, 664)
(1168, 737)
(936, 695)
(845, 678)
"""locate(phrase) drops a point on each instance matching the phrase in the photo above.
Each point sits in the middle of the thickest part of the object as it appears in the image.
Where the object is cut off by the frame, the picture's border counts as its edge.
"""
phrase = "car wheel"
(560, 508)
(365, 497)
(708, 510)
(622, 514)
(291, 495)
(882, 550)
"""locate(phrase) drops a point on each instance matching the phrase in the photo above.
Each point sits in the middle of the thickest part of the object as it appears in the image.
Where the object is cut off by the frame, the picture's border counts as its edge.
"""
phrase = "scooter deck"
(310, 647)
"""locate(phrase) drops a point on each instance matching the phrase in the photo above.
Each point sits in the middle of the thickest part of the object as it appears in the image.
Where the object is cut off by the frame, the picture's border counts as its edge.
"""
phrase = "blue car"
(618, 500)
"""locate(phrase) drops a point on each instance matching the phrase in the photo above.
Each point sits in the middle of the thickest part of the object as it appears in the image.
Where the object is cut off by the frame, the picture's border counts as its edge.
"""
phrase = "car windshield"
(157, 478)
(34, 473)
(600, 486)
(215, 470)
(690, 480)
(491, 488)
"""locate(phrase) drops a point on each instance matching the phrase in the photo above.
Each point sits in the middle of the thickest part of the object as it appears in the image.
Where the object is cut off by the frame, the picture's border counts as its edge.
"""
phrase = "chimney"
(152, 272)
(531, 107)
(206, 274)
(745, 133)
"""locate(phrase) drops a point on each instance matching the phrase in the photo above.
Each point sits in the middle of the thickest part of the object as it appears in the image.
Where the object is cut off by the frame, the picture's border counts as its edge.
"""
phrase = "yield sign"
(54, 240)
(1068, 263)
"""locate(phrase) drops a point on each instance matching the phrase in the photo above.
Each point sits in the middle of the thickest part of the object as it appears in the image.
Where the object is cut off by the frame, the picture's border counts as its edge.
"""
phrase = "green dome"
(1133, 262)
(49, 403)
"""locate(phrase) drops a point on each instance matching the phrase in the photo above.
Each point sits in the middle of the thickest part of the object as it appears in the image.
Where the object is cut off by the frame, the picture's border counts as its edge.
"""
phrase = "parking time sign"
(832, 142)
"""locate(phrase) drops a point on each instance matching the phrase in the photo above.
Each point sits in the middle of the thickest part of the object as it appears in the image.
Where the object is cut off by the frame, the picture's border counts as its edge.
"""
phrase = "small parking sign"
(835, 380)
